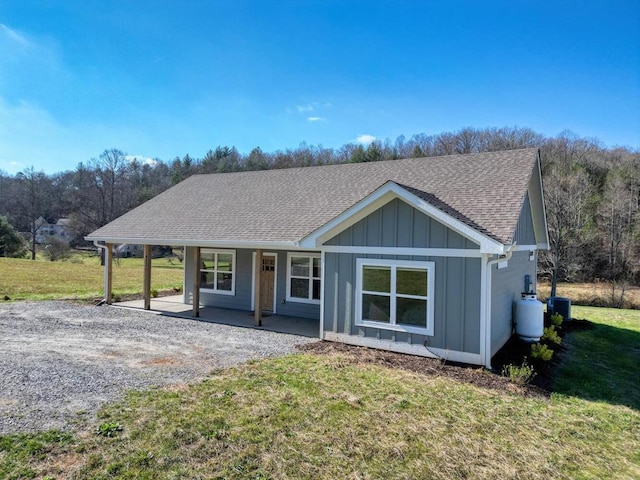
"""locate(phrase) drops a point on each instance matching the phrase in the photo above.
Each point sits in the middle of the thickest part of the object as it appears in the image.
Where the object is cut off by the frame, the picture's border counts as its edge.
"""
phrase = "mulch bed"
(431, 367)
(514, 352)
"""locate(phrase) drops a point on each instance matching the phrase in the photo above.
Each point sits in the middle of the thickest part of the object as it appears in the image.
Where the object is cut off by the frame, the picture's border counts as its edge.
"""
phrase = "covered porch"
(174, 306)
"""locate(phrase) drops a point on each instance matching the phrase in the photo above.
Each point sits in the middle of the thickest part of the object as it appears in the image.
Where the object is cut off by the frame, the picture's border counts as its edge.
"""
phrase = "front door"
(267, 278)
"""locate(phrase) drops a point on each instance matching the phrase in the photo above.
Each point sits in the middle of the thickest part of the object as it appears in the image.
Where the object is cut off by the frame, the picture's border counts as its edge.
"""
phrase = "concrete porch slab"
(174, 306)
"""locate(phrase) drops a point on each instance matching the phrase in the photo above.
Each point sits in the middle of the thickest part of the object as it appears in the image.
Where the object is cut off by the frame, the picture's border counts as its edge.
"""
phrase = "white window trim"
(395, 264)
(311, 256)
(215, 271)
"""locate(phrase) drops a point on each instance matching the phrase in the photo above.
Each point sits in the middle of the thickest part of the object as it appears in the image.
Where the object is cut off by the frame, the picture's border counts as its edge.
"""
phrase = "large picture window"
(217, 271)
(395, 295)
(304, 280)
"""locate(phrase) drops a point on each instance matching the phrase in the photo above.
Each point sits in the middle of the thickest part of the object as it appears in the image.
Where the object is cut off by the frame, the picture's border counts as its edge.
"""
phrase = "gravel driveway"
(59, 362)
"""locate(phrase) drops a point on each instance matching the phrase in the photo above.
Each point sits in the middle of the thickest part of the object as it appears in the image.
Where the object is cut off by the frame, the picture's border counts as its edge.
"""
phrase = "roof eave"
(384, 194)
(266, 245)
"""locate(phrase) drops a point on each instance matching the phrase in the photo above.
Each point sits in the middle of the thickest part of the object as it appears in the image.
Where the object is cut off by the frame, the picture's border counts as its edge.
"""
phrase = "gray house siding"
(457, 280)
(506, 286)
(291, 308)
(242, 298)
(525, 234)
(398, 224)
(243, 286)
(457, 302)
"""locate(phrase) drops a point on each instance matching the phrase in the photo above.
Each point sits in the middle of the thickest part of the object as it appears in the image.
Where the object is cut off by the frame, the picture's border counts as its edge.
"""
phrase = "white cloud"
(305, 108)
(316, 119)
(32, 136)
(142, 159)
(13, 36)
(365, 139)
(309, 107)
(31, 66)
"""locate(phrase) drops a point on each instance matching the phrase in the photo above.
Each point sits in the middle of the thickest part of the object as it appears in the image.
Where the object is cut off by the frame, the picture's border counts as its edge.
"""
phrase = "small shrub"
(540, 351)
(108, 429)
(115, 297)
(551, 336)
(556, 319)
(154, 293)
(57, 249)
(520, 375)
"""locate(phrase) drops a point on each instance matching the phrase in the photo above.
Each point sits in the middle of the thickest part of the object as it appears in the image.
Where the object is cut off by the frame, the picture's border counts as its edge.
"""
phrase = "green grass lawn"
(325, 417)
(81, 277)
(603, 364)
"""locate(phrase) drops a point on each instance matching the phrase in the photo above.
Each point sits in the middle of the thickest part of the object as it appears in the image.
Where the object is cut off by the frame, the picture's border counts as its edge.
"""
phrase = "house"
(423, 256)
(45, 231)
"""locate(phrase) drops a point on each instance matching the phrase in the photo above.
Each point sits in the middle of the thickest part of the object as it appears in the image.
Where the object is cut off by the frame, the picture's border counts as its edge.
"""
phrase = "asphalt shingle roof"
(484, 190)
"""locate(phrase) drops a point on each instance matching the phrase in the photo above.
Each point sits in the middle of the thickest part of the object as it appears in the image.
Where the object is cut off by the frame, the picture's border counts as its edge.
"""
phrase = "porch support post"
(146, 283)
(256, 299)
(108, 273)
(196, 282)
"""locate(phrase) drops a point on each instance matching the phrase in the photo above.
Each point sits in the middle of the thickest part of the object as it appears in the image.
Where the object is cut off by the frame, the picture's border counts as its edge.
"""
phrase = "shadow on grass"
(600, 364)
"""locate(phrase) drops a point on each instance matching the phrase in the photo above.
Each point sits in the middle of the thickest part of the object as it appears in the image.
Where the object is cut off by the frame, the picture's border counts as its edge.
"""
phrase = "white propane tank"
(529, 318)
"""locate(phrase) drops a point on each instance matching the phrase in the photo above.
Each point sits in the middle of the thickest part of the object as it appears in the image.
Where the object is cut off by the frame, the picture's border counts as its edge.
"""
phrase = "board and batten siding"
(398, 224)
(242, 299)
(525, 234)
(457, 280)
(507, 284)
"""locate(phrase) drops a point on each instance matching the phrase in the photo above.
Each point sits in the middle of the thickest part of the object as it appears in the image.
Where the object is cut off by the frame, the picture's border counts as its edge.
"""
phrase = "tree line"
(592, 192)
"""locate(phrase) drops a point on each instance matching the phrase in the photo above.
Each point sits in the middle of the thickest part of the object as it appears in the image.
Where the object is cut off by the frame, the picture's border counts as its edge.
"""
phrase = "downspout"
(487, 332)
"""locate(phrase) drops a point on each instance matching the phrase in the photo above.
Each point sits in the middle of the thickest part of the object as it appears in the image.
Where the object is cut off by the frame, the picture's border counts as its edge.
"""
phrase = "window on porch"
(217, 271)
(304, 278)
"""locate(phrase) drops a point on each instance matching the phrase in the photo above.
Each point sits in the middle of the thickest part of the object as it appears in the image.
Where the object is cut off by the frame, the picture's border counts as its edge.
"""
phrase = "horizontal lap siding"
(457, 280)
(506, 286)
(244, 277)
(242, 298)
(291, 308)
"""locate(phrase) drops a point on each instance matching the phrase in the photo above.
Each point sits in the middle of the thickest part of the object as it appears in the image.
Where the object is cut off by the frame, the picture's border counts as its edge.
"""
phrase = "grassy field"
(592, 294)
(325, 417)
(81, 277)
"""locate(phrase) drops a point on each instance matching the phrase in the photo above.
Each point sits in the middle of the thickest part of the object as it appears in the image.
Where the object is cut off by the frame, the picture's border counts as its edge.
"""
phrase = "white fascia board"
(538, 210)
(418, 252)
(205, 243)
(383, 195)
(518, 248)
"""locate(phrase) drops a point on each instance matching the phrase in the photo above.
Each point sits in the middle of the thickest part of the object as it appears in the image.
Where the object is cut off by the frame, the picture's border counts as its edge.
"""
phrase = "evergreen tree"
(11, 244)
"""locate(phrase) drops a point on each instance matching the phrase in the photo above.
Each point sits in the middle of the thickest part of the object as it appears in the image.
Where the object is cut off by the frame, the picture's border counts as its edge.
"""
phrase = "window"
(303, 278)
(395, 295)
(217, 271)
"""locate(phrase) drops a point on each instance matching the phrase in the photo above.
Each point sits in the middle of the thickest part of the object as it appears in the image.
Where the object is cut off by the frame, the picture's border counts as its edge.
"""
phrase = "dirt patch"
(163, 361)
(432, 367)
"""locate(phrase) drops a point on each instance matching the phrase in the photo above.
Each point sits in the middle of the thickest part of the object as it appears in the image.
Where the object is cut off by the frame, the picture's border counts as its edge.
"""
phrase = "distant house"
(423, 256)
(59, 230)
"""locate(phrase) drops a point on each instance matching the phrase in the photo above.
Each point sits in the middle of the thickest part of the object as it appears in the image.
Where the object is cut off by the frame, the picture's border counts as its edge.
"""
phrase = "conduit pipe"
(487, 331)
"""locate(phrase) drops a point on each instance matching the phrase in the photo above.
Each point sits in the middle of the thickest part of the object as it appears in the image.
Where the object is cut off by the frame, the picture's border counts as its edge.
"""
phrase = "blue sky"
(159, 79)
